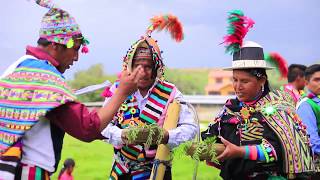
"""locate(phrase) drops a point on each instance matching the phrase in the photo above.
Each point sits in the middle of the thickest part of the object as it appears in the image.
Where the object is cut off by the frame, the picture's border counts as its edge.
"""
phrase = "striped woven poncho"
(26, 95)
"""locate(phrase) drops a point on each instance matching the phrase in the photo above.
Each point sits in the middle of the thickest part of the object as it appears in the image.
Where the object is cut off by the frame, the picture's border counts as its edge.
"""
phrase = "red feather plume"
(169, 22)
(279, 62)
(239, 26)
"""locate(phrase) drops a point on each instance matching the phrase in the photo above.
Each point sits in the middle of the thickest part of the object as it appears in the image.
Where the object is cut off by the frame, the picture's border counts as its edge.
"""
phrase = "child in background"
(66, 171)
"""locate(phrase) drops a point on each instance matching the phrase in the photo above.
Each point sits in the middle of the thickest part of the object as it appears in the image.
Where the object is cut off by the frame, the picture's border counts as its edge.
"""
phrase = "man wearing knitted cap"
(37, 106)
(145, 111)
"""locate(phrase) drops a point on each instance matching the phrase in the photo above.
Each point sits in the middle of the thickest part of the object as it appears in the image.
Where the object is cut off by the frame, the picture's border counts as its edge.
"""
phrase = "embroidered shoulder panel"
(25, 96)
(282, 119)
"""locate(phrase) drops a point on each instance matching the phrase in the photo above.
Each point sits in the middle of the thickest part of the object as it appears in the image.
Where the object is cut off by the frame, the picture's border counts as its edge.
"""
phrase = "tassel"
(70, 43)
(106, 93)
(85, 49)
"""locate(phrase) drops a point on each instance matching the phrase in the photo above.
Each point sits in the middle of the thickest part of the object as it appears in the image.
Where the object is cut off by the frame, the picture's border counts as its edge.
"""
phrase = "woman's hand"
(232, 151)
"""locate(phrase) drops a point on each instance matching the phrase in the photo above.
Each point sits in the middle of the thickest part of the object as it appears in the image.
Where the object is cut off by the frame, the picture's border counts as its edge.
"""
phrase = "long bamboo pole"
(163, 151)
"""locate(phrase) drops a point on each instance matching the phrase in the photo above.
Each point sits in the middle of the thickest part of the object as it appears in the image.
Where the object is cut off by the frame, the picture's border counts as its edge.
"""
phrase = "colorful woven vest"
(135, 159)
(26, 95)
(290, 131)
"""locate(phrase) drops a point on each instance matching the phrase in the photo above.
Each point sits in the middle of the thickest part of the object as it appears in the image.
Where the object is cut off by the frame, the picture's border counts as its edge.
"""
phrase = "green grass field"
(93, 162)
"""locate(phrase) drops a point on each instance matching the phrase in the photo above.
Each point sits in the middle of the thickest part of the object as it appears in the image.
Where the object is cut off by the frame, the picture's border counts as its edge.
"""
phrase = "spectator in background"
(309, 110)
(67, 169)
(296, 81)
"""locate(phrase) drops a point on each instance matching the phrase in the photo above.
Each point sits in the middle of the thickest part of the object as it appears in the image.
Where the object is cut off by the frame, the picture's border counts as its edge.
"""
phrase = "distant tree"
(188, 81)
(93, 75)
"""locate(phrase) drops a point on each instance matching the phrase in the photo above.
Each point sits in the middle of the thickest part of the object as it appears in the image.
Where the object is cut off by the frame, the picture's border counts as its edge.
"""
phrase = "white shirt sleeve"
(186, 128)
(112, 133)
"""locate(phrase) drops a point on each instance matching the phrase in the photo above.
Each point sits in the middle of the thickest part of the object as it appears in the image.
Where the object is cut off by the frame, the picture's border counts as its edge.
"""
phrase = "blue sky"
(290, 27)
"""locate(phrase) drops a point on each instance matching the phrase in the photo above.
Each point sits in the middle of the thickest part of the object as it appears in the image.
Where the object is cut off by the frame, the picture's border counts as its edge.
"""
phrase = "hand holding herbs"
(204, 150)
(148, 135)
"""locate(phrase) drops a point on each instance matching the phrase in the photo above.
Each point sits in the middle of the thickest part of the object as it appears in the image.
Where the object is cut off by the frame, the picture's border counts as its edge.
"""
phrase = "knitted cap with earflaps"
(59, 26)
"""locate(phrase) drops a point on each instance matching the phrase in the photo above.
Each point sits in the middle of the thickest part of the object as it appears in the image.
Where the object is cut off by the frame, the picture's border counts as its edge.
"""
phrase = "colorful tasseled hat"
(146, 46)
(248, 54)
(59, 26)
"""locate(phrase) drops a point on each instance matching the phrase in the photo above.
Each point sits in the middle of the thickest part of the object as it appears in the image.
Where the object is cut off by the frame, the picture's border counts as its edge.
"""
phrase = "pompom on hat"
(147, 47)
(59, 26)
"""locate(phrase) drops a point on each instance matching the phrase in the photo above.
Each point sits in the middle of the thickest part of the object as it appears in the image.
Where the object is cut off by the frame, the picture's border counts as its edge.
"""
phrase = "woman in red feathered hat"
(263, 136)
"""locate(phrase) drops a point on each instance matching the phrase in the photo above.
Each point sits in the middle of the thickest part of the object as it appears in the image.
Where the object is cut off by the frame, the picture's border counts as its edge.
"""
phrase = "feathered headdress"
(162, 22)
(168, 22)
(238, 27)
(276, 60)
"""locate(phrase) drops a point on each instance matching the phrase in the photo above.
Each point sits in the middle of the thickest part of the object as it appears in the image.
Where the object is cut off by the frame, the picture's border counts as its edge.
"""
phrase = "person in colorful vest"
(263, 136)
(296, 81)
(146, 106)
(37, 106)
(309, 110)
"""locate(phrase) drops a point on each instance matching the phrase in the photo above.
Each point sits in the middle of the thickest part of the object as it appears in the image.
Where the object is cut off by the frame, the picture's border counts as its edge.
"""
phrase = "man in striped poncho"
(148, 105)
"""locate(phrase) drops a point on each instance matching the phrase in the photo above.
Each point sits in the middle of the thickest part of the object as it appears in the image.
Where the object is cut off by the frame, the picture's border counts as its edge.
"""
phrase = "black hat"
(249, 56)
